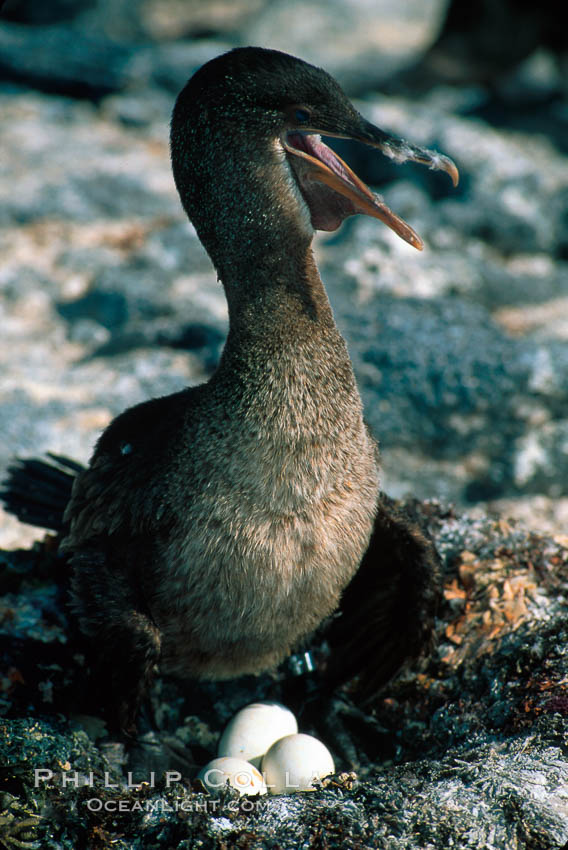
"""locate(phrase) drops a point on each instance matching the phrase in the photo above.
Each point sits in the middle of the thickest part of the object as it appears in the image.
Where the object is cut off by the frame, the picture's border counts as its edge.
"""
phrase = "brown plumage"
(217, 527)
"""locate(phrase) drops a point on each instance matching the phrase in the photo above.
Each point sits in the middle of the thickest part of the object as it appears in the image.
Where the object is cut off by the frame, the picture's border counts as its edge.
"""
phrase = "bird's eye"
(302, 116)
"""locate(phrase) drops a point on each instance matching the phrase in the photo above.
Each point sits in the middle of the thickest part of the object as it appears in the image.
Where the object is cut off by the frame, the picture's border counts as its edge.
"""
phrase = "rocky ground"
(461, 353)
(467, 749)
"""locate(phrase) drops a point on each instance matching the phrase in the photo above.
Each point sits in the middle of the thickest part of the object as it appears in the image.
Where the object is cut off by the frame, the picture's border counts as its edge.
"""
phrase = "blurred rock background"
(107, 298)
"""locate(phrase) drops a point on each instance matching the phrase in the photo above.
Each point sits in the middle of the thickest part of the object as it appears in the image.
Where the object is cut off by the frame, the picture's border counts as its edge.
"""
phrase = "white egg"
(293, 763)
(254, 729)
(239, 773)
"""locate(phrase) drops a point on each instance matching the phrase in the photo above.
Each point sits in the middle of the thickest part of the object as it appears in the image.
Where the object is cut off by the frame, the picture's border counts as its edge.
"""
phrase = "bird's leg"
(353, 735)
(385, 618)
(133, 652)
(386, 615)
(123, 641)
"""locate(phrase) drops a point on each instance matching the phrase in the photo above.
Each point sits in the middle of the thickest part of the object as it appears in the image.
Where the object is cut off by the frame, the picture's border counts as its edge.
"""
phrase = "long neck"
(281, 294)
(285, 359)
(256, 228)
(278, 302)
(248, 212)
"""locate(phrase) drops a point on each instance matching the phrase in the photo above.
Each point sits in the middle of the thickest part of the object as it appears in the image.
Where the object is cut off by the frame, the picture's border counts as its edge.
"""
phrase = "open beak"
(345, 194)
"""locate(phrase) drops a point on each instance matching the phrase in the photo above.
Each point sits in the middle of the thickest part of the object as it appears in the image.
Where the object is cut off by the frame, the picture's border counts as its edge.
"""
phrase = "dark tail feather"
(387, 611)
(37, 491)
